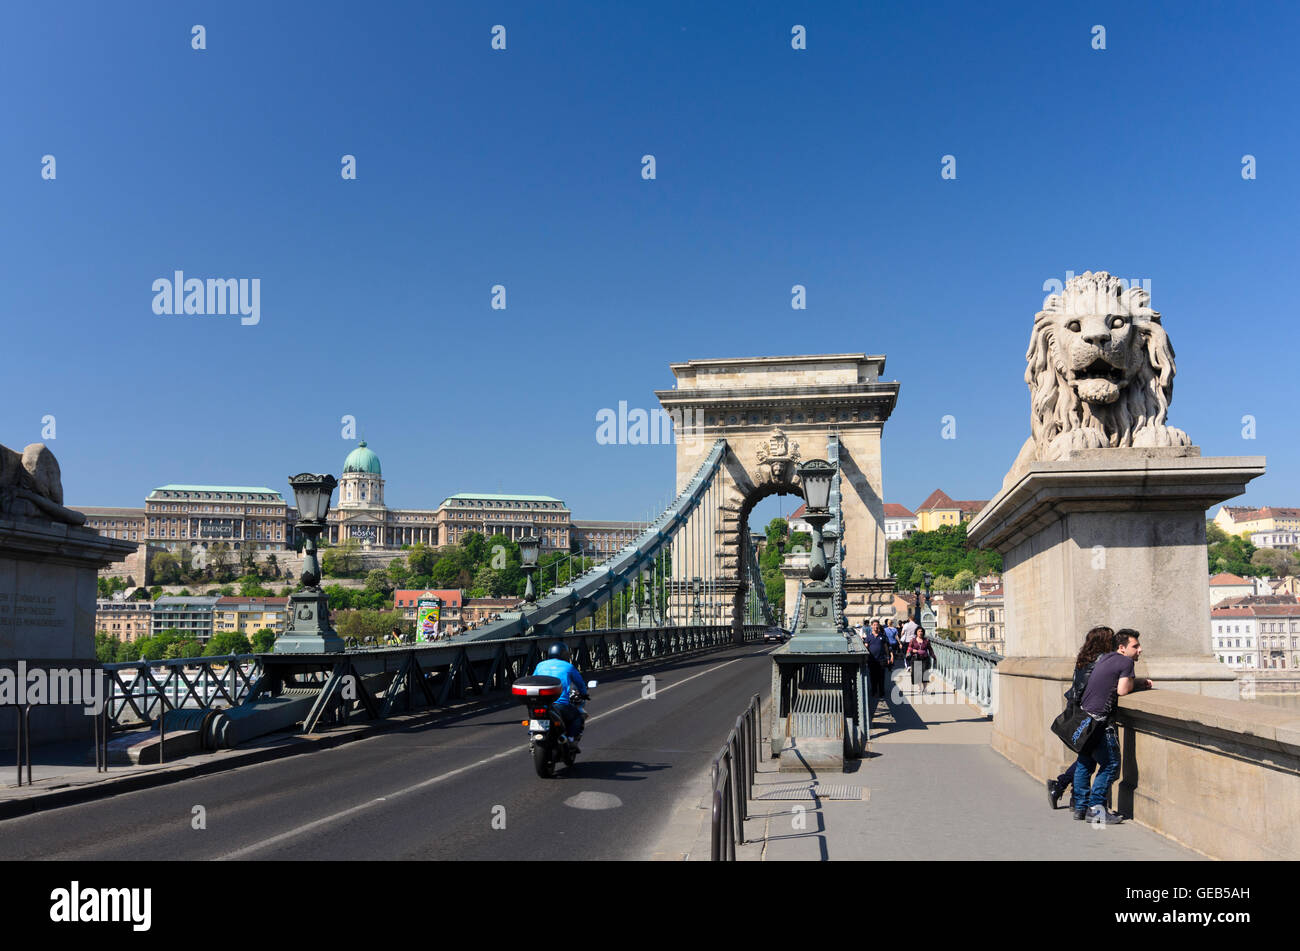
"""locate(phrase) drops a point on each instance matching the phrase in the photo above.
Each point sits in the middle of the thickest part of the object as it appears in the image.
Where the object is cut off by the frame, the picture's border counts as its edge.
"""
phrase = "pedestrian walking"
(920, 652)
(892, 635)
(878, 659)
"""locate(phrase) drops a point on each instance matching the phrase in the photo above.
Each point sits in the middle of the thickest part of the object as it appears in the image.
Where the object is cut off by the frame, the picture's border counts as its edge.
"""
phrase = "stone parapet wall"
(1220, 776)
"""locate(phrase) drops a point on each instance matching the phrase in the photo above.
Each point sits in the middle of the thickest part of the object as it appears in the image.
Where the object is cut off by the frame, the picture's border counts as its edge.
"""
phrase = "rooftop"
(232, 489)
(1224, 578)
(489, 497)
(938, 499)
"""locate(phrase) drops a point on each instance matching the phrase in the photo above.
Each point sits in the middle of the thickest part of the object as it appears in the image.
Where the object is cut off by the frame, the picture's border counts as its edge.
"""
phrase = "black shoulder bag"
(1075, 726)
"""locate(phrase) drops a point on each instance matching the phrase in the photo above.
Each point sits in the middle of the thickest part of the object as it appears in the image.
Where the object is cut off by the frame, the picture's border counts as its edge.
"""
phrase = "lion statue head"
(1101, 370)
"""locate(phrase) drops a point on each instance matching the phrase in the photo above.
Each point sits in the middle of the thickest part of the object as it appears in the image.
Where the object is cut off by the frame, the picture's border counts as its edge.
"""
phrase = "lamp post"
(696, 617)
(309, 630)
(528, 551)
(818, 631)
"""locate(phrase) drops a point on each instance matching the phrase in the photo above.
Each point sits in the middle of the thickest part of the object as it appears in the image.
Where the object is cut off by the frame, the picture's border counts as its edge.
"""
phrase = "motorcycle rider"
(570, 703)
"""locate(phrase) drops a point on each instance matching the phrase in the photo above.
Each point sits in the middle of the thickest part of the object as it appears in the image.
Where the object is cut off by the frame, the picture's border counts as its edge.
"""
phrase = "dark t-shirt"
(878, 648)
(1103, 686)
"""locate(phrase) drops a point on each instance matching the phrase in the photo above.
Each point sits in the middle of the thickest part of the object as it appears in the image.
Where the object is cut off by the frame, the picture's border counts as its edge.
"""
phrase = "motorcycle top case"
(532, 689)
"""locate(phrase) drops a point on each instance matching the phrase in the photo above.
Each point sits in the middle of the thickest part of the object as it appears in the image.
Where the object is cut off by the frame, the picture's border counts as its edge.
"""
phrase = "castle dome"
(362, 459)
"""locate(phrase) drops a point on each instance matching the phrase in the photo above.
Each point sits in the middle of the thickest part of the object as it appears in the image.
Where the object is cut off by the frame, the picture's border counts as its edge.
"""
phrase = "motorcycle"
(547, 739)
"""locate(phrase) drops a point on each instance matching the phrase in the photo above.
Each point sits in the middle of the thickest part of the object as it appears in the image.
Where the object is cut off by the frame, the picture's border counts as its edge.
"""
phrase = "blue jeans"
(574, 718)
(1102, 752)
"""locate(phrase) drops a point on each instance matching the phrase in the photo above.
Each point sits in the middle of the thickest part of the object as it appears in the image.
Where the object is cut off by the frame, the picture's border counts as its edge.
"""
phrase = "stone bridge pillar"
(775, 412)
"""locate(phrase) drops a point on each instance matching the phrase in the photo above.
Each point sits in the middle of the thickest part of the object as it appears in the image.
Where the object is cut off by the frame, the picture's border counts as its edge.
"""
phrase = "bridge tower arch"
(775, 412)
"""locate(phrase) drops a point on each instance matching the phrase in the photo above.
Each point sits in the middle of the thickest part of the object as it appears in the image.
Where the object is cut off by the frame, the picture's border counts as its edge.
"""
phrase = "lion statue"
(31, 485)
(1100, 374)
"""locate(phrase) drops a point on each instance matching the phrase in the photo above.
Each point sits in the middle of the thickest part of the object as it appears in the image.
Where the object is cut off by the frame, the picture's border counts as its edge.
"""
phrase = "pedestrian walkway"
(932, 787)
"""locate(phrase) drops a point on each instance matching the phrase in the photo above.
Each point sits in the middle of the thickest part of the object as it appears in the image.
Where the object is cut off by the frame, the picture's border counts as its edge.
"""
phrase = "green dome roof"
(362, 459)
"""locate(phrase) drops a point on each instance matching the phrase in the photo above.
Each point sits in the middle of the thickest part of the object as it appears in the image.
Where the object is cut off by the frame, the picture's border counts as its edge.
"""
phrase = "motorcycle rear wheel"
(542, 760)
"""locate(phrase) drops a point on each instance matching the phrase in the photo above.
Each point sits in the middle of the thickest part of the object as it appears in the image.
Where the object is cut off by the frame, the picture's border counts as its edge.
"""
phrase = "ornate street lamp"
(529, 547)
(309, 630)
(829, 542)
(818, 631)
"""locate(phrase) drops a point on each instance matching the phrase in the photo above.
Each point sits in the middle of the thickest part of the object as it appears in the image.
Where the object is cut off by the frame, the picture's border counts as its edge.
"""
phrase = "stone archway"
(775, 412)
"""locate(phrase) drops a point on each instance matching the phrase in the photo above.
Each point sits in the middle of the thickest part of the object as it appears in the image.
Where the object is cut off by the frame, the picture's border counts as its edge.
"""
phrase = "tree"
(420, 559)
(250, 586)
(226, 643)
(944, 551)
(106, 647)
(486, 580)
(398, 572)
(272, 565)
(964, 580)
(368, 624)
(476, 547)
(1231, 553)
(166, 568)
(378, 580)
(342, 560)
(187, 647)
(1274, 562)
(219, 561)
(263, 641)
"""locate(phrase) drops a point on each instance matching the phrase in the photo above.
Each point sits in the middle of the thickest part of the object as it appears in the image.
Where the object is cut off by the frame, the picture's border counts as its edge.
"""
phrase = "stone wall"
(1220, 776)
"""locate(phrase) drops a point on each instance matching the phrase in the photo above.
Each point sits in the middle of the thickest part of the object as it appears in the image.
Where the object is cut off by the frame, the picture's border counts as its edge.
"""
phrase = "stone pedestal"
(1113, 537)
(48, 575)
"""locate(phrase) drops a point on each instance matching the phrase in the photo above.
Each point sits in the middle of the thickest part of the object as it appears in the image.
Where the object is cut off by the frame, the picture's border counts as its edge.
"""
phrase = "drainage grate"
(813, 790)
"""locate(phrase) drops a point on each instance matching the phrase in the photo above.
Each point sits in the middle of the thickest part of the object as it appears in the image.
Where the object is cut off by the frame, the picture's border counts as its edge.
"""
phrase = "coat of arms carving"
(777, 458)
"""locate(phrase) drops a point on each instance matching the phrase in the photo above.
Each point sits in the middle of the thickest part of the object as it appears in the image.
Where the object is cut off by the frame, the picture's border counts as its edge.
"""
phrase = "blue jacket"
(567, 674)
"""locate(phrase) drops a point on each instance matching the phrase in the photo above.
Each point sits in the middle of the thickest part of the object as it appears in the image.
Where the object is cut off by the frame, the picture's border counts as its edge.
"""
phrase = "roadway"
(440, 790)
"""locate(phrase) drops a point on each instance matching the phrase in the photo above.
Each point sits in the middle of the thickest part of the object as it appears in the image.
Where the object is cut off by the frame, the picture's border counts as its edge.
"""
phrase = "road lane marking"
(513, 751)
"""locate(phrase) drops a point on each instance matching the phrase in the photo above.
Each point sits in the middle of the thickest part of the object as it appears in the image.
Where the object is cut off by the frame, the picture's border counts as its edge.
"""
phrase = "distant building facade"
(950, 611)
(191, 616)
(407, 600)
(181, 517)
(900, 522)
(247, 616)
(1240, 520)
(124, 620)
(603, 538)
(985, 616)
(362, 514)
(1281, 540)
(1225, 585)
(939, 509)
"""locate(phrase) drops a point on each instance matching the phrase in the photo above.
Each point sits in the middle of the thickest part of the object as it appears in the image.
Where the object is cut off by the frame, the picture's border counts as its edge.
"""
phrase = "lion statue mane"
(1100, 372)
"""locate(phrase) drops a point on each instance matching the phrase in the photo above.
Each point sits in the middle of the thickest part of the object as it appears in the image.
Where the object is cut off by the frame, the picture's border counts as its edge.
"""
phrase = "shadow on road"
(618, 770)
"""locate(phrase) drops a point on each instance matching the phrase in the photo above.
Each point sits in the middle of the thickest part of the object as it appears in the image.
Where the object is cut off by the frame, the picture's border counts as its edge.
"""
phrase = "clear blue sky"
(775, 167)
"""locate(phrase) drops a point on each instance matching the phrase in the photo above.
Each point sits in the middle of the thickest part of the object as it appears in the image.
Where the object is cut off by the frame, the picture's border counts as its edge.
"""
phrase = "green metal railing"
(967, 669)
(141, 691)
